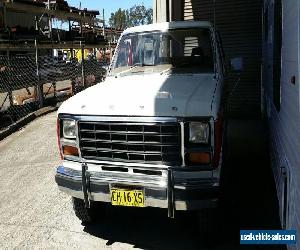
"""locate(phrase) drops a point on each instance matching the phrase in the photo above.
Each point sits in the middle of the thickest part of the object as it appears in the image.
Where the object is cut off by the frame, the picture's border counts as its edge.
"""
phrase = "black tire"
(224, 176)
(208, 222)
(87, 215)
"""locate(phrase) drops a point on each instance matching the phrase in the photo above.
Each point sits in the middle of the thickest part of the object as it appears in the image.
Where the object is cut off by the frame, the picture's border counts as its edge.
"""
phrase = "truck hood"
(146, 95)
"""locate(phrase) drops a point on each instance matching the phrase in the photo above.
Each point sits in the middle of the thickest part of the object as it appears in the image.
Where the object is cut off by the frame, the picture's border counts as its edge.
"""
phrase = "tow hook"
(85, 184)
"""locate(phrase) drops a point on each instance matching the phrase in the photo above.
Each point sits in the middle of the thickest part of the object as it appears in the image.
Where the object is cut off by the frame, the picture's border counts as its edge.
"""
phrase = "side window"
(164, 47)
(164, 50)
(149, 55)
(189, 44)
(198, 49)
(124, 54)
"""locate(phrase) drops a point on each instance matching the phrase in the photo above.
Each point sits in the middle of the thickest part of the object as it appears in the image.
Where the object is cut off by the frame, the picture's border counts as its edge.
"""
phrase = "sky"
(109, 6)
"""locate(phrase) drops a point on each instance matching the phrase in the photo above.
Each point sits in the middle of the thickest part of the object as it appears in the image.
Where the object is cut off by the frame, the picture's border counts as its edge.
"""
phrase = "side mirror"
(237, 64)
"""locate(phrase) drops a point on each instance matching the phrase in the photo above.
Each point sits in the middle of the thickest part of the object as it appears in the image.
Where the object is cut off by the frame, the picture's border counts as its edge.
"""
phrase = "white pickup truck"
(150, 135)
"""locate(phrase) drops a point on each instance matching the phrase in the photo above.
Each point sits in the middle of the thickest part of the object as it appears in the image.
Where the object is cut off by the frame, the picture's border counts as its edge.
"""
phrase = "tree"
(136, 15)
(119, 19)
(139, 15)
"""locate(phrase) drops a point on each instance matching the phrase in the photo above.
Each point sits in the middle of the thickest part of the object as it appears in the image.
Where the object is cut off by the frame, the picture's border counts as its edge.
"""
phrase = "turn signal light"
(58, 137)
(69, 150)
(200, 158)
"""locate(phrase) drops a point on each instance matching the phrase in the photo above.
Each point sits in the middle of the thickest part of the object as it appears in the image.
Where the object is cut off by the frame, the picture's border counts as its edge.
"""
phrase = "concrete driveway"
(34, 214)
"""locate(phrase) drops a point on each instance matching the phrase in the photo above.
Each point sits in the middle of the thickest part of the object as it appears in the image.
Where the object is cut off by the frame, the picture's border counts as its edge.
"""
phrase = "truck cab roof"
(168, 26)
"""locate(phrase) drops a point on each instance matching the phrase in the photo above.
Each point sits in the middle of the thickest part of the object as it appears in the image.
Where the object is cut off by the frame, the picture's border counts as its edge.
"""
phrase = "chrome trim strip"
(77, 165)
(128, 182)
(138, 119)
(181, 175)
(149, 201)
(67, 142)
(198, 185)
(212, 133)
(129, 164)
(182, 143)
(104, 177)
(77, 140)
(68, 172)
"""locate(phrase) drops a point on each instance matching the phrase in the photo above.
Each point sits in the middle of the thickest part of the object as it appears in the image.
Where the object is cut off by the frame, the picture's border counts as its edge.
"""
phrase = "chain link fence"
(29, 82)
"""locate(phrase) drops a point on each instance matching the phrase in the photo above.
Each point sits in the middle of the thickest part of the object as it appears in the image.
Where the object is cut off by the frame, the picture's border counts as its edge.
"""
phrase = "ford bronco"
(151, 134)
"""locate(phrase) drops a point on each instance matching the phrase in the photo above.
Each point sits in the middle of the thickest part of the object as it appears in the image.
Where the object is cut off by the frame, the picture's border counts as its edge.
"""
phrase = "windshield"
(181, 51)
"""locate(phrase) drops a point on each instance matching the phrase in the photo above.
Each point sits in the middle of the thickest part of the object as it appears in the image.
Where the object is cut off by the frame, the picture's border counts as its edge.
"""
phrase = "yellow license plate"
(128, 198)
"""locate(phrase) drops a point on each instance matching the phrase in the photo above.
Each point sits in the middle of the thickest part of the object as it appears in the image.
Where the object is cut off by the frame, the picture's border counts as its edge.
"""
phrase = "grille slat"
(157, 143)
(130, 142)
(127, 151)
(128, 132)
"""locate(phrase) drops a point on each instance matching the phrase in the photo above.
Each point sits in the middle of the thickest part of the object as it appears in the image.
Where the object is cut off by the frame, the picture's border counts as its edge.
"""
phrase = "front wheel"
(87, 215)
(208, 221)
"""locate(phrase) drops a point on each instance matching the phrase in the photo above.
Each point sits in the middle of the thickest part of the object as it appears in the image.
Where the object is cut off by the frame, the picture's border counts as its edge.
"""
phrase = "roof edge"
(169, 25)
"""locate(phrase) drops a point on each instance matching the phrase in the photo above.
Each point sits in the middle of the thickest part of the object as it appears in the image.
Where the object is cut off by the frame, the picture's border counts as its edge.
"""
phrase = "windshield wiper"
(133, 67)
(142, 65)
(182, 65)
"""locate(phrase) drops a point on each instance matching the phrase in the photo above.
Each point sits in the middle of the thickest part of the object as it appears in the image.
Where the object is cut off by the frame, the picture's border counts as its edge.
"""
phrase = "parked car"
(151, 134)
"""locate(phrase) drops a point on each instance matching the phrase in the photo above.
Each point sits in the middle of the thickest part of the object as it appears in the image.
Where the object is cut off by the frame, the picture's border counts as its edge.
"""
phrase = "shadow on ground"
(250, 204)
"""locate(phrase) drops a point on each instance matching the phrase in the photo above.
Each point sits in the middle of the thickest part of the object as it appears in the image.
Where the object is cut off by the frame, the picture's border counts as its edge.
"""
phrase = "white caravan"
(281, 99)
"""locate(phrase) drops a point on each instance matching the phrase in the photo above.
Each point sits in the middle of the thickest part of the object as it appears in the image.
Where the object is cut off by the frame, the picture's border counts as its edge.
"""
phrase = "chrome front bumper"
(164, 187)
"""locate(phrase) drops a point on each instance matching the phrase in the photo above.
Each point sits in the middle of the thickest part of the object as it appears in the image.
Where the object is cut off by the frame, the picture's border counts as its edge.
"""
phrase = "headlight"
(199, 132)
(69, 129)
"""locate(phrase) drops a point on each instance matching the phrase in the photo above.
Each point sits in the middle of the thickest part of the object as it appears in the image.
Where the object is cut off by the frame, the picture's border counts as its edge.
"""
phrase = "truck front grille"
(156, 143)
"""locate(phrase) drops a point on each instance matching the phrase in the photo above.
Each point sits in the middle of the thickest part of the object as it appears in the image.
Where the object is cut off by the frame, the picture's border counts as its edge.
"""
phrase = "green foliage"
(119, 19)
(136, 15)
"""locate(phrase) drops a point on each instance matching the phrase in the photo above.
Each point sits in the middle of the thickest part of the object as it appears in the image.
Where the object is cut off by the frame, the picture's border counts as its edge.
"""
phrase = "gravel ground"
(35, 215)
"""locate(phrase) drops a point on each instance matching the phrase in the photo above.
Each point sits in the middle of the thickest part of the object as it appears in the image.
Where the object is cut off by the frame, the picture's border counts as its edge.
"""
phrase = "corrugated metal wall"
(240, 25)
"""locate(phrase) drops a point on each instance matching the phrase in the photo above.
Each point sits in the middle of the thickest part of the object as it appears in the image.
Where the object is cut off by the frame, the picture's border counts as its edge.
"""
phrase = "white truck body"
(145, 95)
(149, 100)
